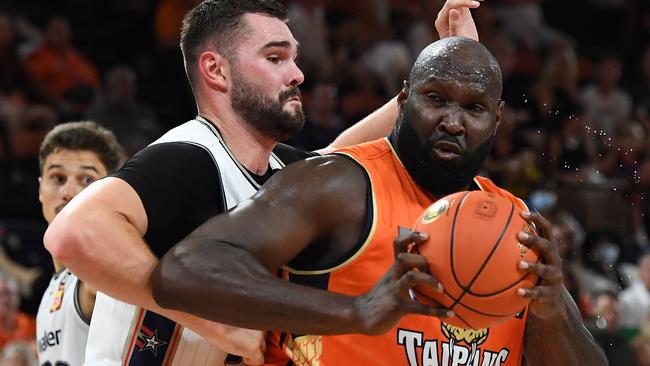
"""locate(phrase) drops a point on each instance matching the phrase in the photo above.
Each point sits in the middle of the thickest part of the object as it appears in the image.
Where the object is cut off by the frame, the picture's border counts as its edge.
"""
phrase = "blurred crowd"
(574, 142)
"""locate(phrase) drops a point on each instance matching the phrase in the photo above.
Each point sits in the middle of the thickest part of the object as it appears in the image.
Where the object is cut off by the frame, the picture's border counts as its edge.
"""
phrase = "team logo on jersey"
(471, 337)
(58, 298)
(460, 349)
(148, 340)
(305, 350)
(435, 211)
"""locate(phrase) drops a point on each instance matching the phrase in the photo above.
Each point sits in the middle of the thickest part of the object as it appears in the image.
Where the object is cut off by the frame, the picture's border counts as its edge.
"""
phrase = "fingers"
(417, 308)
(538, 293)
(548, 274)
(414, 278)
(407, 261)
(542, 244)
(402, 242)
(454, 20)
(457, 4)
(541, 223)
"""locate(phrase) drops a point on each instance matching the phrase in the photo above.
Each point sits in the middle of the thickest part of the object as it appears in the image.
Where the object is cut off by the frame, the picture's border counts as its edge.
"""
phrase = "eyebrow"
(85, 167)
(280, 44)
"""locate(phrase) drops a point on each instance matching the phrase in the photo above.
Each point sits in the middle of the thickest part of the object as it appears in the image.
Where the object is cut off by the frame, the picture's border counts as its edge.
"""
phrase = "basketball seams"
(500, 291)
(451, 242)
(487, 259)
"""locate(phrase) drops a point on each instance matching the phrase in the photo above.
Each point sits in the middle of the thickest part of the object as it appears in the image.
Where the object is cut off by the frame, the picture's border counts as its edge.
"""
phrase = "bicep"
(114, 202)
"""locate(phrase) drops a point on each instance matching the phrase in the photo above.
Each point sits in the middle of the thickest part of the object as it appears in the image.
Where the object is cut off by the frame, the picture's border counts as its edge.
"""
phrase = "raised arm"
(454, 19)
(99, 237)
(225, 270)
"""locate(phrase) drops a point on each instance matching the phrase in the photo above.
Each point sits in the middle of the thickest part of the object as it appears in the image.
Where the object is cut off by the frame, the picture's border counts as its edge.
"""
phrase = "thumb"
(454, 22)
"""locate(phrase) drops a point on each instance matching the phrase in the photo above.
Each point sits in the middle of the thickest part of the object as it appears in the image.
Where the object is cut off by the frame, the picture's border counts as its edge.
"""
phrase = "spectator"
(606, 105)
(59, 68)
(605, 329)
(134, 124)
(14, 325)
(572, 150)
(323, 122)
(18, 354)
(635, 300)
(309, 26)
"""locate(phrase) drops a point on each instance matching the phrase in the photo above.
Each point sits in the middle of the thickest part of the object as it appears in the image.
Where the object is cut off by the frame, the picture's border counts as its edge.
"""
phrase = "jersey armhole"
(77, 303)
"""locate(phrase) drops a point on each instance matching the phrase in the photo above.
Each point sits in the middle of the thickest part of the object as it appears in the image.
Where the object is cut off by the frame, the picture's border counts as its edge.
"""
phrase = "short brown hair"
(219, 22)
(83, 136)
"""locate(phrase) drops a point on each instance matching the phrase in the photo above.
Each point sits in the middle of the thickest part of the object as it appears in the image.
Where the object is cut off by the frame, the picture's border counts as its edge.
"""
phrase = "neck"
(58, 266)
(251, 148)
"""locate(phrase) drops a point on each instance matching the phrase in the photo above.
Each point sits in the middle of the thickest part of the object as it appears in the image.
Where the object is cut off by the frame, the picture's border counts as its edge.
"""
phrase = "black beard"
(438, 177)
(265, 114)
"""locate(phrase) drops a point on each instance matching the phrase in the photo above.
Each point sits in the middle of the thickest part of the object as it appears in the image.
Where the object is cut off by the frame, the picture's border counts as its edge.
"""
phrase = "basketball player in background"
(72, 156)
(332, 231)
(239, 57)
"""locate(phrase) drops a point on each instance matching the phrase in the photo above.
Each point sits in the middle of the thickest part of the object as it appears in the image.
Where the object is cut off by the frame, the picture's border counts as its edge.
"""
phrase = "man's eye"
(477, 108)
(86, 180)
(434, 97)
(274, 59)
(58, 178)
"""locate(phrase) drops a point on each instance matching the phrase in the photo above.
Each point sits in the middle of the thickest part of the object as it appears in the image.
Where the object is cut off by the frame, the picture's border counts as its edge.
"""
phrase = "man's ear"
(214, 70)
(403, 94)
(499, 115)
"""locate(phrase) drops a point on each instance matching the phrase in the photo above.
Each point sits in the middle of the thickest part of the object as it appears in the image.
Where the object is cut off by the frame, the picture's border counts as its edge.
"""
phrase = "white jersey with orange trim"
(61, 327)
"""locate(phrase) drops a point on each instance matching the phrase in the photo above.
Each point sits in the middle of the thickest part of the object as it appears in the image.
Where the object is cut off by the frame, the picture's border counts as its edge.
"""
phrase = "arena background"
(574, 141)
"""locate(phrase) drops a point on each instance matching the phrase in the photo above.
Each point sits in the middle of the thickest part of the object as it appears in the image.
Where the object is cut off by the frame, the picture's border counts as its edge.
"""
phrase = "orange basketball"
(474, 252)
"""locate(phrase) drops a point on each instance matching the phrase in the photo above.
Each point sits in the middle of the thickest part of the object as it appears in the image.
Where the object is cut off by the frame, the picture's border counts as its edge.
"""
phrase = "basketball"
(474, 252)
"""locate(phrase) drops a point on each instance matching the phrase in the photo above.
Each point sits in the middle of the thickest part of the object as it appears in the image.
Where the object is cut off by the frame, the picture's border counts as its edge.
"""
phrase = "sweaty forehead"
(461, 62)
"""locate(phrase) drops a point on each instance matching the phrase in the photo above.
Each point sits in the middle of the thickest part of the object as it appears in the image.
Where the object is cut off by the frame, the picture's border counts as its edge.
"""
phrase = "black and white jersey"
(184, 178)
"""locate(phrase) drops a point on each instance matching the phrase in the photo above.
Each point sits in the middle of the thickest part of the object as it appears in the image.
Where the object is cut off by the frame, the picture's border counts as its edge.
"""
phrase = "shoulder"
(318, 178)
(289, 154)
(170, 157)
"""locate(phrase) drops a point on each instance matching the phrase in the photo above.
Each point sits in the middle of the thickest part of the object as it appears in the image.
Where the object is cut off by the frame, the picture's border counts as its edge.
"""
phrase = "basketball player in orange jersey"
(328, 223)
(240, 60)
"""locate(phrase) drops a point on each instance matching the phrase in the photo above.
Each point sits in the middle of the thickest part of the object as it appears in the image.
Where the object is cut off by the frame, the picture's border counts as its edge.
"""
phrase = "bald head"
(459, 59)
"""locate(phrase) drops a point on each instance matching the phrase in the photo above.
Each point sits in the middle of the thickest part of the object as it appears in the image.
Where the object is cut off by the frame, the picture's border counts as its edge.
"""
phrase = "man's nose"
(452, 121)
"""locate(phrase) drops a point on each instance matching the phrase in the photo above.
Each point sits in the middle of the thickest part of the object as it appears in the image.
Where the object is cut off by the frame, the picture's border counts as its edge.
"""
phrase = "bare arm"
(376, 125)
(563, 340)
(91, 236)
(230, 261)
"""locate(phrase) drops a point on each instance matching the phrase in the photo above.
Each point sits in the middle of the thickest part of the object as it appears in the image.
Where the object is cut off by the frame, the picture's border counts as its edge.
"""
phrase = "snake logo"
(471, 337)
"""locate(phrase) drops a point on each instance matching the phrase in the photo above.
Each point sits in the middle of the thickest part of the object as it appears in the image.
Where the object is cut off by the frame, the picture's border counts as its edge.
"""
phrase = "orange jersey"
(395, 201)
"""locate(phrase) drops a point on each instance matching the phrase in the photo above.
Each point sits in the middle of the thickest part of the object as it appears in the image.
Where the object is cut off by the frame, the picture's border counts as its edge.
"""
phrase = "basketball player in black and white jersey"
(240, 60)
(71, 157)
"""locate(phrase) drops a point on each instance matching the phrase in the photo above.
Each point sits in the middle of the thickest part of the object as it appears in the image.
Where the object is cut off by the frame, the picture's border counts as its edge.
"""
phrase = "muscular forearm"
(228, 285)
(562, 340)
(96, 254)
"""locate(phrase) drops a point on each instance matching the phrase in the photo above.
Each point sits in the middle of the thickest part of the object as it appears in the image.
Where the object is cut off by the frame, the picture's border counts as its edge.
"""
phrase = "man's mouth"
(446, 150)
